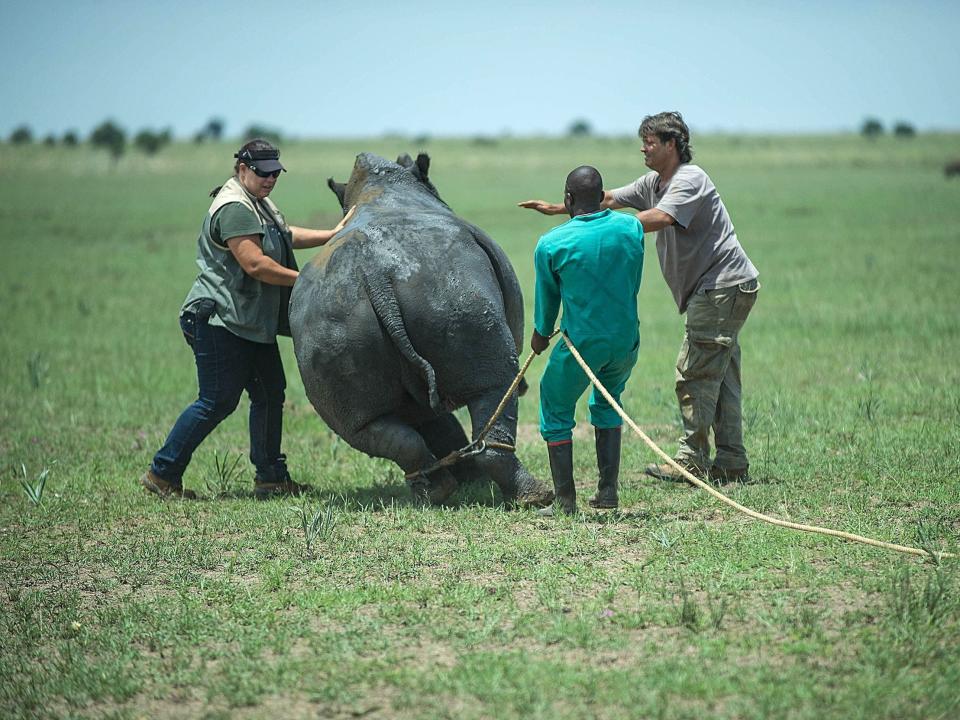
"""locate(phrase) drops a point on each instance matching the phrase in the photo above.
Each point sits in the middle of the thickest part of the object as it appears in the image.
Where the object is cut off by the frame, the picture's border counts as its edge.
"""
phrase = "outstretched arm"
(653, 220)
(542, 206)
(308, 238)
(548, 208)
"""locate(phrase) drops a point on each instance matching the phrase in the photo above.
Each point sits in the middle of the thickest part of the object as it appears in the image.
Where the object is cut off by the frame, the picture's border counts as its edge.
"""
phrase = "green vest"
(245, 306)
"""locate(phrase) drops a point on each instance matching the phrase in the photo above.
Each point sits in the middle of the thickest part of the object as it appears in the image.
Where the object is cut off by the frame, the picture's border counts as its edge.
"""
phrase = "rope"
(935, 556)
(479, 444)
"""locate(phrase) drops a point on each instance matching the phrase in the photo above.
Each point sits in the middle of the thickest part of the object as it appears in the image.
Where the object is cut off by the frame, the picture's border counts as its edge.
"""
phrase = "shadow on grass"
(386, 494)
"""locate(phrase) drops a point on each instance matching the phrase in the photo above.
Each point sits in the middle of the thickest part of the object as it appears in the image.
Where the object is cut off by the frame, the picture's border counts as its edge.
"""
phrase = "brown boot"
(667, 472)
(155, 484)
(275, 481)
(267, 490)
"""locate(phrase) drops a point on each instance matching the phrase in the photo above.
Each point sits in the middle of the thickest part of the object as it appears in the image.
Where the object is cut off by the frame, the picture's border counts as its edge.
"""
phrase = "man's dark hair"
(585, 187)
(669, 126)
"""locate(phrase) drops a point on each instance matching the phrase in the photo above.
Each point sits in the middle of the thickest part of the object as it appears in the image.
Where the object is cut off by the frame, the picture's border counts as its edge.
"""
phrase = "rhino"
(408, 314)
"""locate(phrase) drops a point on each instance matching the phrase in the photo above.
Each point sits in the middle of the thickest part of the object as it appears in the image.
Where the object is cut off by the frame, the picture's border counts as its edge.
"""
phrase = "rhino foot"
(442, 487)
(539, 497)
(532, 494)
(431, 491)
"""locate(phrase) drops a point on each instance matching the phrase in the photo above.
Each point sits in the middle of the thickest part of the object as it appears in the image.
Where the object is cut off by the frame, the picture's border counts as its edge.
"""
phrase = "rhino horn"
(339, 189)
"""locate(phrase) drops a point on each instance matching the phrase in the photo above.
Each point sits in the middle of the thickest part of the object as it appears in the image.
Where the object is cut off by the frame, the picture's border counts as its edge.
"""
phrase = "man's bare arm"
(653, 220)
(548, 208)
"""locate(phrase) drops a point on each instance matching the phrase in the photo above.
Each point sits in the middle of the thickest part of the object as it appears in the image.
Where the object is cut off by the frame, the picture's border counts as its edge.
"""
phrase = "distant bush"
(421, 140)
(151, 142)
(904, 129)
(70, 138)
(871, 128)
(213, 131)
(21, 136)
(50, 140)
(261, 131)
(580, 128)
(484, 141)
(110, 137)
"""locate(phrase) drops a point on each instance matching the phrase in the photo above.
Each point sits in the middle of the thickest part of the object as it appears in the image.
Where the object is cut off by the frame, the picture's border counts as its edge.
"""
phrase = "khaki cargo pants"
(708, 377)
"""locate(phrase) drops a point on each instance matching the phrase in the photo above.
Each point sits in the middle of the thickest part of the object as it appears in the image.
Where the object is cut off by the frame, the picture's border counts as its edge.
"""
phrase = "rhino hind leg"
(389, 438)
(516, 483)
(443, 435)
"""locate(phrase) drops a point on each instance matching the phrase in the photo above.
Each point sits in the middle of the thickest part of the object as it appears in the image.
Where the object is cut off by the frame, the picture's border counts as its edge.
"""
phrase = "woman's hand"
(307, 238)
(343, 223)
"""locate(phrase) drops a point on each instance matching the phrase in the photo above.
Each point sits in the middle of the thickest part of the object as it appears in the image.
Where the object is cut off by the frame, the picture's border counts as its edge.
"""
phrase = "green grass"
(350, 602)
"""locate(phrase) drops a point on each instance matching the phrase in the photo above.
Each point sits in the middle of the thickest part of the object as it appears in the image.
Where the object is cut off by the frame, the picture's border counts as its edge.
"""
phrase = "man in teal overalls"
(592, 265)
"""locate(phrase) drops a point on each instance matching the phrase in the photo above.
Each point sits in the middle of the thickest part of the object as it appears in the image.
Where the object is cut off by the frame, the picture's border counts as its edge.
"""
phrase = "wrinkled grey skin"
(407, 314)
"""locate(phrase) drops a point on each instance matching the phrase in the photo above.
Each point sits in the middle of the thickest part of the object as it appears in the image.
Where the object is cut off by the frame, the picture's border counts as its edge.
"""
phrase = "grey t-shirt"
(701, 251)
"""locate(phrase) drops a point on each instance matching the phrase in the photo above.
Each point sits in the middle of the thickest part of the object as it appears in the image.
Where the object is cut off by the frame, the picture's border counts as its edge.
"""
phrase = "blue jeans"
(226, 366)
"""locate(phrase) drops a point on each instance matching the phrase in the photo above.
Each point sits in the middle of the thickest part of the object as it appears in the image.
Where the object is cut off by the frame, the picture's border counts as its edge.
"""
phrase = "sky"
(486, 67)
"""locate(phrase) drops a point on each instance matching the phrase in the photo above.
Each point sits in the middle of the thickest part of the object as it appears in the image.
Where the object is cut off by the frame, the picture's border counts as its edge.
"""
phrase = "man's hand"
(542, 206)
(539, 343)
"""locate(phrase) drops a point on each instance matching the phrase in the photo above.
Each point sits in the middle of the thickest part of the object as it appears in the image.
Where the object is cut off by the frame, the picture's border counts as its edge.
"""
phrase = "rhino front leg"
(388, 437)
(514, 480)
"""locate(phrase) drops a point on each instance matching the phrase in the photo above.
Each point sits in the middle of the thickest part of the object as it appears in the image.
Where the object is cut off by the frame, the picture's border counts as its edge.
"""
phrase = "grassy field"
(113, 604)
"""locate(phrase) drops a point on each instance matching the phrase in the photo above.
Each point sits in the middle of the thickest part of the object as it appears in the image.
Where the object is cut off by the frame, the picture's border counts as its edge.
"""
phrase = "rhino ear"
(339, 189)
(423, 165)
(405, 160)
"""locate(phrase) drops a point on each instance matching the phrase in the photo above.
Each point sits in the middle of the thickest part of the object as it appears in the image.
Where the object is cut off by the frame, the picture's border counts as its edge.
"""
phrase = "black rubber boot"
(608, 463)
(561, 467)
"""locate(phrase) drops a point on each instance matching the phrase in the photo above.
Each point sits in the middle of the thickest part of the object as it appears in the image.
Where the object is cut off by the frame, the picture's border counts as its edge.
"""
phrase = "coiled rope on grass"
(935, 556)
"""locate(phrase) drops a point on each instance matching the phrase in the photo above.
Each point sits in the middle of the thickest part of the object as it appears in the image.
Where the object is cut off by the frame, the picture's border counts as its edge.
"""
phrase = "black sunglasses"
(265, 173)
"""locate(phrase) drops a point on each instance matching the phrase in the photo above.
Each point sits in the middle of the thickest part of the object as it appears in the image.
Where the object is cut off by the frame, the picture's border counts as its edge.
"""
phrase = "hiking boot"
(727, 475)
(275, 481)
(608, 464)
(155, 484)
(286, 487)
(561, 467)
(667, 472)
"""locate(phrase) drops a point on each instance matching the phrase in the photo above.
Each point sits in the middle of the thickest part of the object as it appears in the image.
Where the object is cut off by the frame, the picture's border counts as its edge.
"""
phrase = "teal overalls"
(592, 265)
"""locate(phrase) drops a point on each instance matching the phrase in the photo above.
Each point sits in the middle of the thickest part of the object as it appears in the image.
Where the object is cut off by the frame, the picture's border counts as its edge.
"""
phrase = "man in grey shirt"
(712, 280)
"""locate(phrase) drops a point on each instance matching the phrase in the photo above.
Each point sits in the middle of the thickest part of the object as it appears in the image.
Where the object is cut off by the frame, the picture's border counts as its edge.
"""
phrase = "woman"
(231, 318)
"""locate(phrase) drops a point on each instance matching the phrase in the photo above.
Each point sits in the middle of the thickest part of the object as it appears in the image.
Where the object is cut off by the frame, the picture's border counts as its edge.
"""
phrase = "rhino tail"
(384, 301)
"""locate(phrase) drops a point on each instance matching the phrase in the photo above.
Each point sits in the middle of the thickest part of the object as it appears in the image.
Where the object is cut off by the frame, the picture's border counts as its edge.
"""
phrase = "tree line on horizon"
(111, 137)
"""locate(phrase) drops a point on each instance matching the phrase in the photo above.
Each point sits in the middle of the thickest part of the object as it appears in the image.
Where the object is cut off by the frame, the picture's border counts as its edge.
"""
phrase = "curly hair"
(669, 126)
